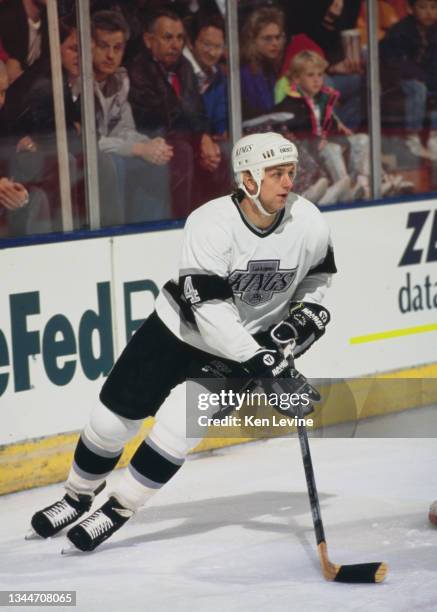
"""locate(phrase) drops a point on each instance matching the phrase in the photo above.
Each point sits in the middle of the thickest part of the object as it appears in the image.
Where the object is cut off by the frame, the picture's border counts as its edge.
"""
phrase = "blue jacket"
(215, 99)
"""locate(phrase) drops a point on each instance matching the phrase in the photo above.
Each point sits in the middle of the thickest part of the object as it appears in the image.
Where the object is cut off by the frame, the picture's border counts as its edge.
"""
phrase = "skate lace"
(97, 524)
(60, 513)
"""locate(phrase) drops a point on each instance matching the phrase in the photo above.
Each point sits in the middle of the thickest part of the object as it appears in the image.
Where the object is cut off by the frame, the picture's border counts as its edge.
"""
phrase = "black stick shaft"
(311, 481)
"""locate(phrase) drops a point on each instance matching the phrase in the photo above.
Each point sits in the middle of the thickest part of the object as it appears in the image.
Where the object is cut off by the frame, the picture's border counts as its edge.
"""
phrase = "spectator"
(132, 11)
(387, 17)
(23, 32)
(114, 121)
(409, 61)
(36, 159)
(316, 124)
(298, 43)
(204, 50)
(115, 125)
(41, 119)
(324, 135)
(166, 101)
(40, 97)
(25, 207)
(323, 21)
(262, 42)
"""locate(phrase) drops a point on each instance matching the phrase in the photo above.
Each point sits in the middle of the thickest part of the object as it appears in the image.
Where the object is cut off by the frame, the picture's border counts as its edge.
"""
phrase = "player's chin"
(277, 207)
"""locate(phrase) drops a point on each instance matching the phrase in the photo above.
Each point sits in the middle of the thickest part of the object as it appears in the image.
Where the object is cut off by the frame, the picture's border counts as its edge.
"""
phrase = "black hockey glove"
(279, 376)
(267, 364)
(308, 321)
(305, 324)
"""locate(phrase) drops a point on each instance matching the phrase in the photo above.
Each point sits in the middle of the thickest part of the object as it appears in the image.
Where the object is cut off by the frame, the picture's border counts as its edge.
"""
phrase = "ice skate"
(51, 520)
(98, 527)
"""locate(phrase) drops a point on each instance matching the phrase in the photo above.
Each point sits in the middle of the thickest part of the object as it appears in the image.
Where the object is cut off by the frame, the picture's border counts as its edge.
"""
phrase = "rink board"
(67, 310)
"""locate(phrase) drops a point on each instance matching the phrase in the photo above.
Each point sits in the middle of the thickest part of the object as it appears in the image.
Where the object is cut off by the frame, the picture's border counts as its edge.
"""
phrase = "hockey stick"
(357, 573)
(283, 335)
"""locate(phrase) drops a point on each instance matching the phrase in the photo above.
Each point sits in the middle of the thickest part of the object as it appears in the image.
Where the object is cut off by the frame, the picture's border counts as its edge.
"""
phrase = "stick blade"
(362, 573)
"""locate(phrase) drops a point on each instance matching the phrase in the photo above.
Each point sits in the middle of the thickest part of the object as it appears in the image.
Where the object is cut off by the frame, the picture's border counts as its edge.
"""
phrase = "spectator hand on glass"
(12, 195)
(210, 154)
(155, 151)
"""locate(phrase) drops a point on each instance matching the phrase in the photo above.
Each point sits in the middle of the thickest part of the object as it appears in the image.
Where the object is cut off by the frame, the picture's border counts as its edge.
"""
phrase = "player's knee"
(108, 430)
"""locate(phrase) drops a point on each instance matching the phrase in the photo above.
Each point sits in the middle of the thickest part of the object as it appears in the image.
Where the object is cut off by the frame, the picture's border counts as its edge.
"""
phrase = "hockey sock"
(150, 468)
(99, 448)
(91, 465)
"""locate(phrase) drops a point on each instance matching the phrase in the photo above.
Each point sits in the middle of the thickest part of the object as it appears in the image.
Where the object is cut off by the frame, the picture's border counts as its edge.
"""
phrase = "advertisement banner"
(68, 309)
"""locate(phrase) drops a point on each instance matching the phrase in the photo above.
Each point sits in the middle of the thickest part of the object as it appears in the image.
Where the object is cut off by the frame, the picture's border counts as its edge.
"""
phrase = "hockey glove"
(279, 376)
(267, 364)
(305, 324)
(308, 321)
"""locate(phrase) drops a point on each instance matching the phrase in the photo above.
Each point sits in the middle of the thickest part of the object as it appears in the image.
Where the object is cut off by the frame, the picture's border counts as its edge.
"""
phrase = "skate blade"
(32, 535)
(71, 550)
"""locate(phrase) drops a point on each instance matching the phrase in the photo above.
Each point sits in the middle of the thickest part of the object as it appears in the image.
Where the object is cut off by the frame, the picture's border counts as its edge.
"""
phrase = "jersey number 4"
(191, 294)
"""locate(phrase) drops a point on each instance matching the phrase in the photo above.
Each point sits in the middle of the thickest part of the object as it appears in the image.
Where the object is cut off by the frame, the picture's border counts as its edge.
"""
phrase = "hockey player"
(249, 260)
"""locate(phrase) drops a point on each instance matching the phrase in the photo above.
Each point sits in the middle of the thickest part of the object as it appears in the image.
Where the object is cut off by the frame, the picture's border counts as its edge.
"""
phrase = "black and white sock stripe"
(151, 466)
(92, 462)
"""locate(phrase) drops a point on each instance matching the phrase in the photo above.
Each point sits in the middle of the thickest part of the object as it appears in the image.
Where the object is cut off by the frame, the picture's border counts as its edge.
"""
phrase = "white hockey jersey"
(236, 279)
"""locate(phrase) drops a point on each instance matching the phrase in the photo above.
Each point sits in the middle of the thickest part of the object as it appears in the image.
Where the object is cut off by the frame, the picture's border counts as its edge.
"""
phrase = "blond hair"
(303, 59)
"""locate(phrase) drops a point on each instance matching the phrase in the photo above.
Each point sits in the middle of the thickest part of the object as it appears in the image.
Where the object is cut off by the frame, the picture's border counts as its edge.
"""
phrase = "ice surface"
(233, 532)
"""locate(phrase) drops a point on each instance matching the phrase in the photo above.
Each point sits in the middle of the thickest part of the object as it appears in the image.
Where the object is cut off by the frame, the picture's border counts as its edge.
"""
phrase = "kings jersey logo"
(261, 279)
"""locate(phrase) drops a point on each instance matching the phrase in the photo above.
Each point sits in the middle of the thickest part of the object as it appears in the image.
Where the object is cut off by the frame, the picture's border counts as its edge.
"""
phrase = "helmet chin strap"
(255, 197)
